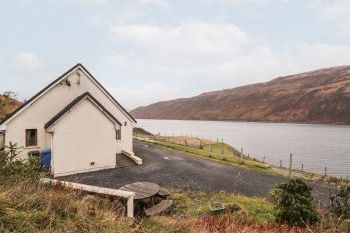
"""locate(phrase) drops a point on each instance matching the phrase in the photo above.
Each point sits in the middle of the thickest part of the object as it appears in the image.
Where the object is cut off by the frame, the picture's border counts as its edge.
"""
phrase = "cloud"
(193, 49)
(221, 55)
(91, 2)
(27, 61)
(149, 93)
(334, 11)
(159, 3)
(254, 2)
(257, 3)
(99, 17)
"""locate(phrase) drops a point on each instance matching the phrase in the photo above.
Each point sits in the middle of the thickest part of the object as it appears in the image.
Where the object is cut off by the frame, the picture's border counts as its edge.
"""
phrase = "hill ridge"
(318, 96)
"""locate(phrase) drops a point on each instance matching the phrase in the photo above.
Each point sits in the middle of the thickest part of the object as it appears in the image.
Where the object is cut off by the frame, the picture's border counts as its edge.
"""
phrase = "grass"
(196, 204)
(29, 207)
(220, 152)
(225, 153)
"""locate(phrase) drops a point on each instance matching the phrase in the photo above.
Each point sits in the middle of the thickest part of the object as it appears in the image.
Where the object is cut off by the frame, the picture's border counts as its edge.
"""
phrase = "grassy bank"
(29, 207)
(225, 153)
(220, 152)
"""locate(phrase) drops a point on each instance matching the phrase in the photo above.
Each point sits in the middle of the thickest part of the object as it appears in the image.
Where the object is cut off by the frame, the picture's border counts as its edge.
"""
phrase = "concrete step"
(124, 161)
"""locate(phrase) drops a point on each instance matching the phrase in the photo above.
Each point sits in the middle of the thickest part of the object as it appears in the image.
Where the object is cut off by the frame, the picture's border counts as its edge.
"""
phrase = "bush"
(294, 204)
(12, 168)
(340, 203)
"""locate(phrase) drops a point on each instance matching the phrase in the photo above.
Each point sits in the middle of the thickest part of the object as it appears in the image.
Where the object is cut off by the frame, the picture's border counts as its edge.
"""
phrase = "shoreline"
(249, 161)
(263, 122)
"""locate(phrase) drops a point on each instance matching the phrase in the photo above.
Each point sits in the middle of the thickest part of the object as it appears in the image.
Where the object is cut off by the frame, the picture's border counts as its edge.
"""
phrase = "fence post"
(302, 167)
(185, 145)
(325, 170)
(290, 165)
(241, 155)
(280, 163)
(264, 159)
(222, 146)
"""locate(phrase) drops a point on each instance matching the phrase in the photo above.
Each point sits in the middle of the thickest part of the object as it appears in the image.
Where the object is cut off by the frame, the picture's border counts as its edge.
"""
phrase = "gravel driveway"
(170, 168)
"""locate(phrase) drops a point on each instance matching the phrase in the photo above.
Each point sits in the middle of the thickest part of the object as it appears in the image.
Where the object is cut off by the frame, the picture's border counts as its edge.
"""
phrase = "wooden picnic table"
(142, 190)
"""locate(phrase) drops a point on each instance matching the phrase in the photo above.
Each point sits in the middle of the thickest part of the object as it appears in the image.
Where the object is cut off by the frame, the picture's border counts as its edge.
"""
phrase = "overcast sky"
(149, 50)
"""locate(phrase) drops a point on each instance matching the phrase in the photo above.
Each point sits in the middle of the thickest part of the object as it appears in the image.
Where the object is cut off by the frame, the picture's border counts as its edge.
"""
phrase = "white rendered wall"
(2, 141)
(82, 136)
(41, 111)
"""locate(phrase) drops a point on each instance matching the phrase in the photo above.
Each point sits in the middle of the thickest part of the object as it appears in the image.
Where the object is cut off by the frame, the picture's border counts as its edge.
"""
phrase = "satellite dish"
(67, 82)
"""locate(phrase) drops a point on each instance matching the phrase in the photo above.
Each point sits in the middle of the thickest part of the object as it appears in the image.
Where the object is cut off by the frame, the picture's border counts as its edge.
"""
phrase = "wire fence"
(293, 164)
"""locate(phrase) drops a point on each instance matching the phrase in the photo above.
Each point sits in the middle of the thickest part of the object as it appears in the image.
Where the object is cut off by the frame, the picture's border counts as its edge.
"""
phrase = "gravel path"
(170, 168)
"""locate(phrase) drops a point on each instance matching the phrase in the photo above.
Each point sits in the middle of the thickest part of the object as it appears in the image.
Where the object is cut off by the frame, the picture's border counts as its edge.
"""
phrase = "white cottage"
(76, 121)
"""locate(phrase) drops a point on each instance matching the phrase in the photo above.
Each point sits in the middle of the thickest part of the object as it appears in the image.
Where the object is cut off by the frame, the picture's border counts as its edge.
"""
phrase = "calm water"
(316, 146)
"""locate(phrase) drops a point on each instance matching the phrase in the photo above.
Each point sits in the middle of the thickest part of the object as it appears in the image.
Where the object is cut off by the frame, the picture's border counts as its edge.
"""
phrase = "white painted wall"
(2, 141)
(83, 136)
(41, 111)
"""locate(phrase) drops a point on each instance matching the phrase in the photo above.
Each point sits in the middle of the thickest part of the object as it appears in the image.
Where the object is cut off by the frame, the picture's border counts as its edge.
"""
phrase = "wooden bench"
(164, 193)
(97, 190)
(159, 208)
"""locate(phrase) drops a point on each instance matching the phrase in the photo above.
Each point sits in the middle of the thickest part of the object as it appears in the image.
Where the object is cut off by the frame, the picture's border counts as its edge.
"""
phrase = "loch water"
(313, 145)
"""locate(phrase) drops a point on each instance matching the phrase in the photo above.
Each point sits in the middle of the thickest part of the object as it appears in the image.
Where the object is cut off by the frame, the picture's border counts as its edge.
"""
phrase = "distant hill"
(320, 96)
(7, 105)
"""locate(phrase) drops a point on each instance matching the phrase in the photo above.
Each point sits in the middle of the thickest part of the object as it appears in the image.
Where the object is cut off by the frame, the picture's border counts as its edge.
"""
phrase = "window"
(31, 137)
(118, 134)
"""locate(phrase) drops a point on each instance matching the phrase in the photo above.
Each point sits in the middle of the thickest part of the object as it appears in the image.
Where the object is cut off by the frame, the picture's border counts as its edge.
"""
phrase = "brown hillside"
(7, 106)
(321, 96)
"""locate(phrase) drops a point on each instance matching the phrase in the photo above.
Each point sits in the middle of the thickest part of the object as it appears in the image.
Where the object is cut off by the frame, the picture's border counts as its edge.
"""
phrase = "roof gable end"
(75, 102)
(52, 84)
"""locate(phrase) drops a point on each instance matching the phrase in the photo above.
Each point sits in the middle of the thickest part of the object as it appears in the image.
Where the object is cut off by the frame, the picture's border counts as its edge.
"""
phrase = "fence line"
(294, 165)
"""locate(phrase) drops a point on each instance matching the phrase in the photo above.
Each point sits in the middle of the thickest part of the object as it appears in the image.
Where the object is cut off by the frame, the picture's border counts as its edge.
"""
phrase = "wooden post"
(130, 207)
(290, 165)
(185, 145)
(241, 155)
(302, 167)
(325, 170)
(222, 146)
(264, 159)
(280, 163)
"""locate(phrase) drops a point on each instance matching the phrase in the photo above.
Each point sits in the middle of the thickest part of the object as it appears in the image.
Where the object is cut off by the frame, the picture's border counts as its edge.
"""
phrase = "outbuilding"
(75, 122)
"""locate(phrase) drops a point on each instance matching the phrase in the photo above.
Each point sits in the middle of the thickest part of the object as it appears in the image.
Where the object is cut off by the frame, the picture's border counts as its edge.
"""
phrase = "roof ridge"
(56, 80)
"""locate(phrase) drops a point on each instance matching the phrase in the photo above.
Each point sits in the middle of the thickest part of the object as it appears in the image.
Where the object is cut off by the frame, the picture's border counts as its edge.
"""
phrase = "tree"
(294, 204)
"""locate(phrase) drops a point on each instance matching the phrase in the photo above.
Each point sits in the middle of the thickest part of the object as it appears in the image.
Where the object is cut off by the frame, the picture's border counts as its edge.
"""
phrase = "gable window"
(31, 137)
(118, 133)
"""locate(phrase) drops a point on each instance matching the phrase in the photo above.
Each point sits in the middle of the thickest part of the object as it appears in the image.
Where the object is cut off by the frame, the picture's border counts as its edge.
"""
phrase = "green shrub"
(340, 203)
(12, 168)
(294, 204)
